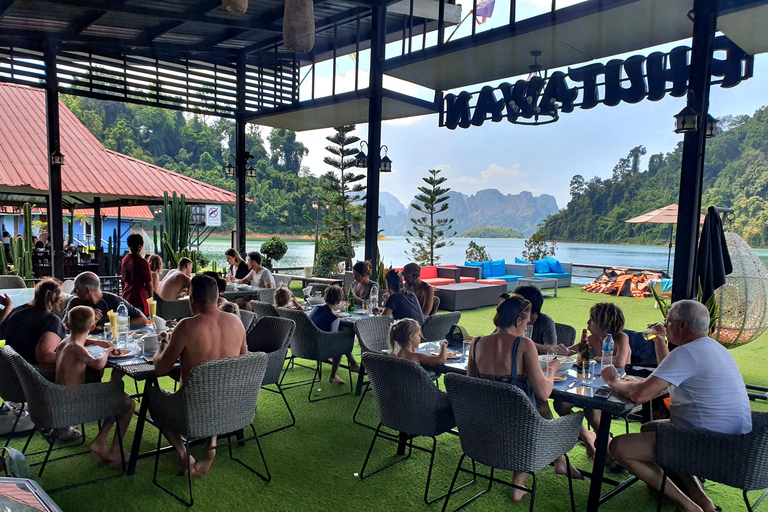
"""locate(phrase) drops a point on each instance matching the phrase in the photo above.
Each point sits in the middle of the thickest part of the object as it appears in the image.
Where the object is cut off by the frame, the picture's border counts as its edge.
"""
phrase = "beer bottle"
(583, 349)
(351, 300)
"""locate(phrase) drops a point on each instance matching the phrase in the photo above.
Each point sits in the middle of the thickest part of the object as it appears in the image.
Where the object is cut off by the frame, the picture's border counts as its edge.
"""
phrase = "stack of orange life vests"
(622, 283)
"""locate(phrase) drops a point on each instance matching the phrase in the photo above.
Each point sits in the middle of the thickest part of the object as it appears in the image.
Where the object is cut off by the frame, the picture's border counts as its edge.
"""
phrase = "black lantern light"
(361, 160)
(687, 120)
(711, 126)
(229, 169)
(386, 162)
(57, 158)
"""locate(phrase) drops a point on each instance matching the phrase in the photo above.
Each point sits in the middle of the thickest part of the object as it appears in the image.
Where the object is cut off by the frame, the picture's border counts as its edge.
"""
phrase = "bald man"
(88, 293)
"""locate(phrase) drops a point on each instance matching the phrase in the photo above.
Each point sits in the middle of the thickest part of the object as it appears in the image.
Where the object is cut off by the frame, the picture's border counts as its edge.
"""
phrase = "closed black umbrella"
(713, 262)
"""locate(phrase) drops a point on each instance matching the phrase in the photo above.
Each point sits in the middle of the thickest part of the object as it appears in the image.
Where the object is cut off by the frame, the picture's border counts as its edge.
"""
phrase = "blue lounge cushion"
(552, 275)
(518, 260)
(554, 265)
(541, 266)
(509, 277)
(486, 270)
(498, 268)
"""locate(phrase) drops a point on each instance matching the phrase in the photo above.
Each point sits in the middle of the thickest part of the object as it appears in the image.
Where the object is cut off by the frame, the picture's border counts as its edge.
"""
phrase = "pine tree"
(429, 233)
(344, 190)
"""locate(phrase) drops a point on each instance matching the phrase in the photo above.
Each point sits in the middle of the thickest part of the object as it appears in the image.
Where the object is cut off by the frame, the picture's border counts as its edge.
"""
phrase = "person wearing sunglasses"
(508, 356)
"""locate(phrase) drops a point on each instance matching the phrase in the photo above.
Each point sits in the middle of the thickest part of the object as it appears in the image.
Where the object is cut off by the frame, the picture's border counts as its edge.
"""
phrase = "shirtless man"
(424, 291)
(209, 335)
(176, 281)
(88, 293)
(72, 359)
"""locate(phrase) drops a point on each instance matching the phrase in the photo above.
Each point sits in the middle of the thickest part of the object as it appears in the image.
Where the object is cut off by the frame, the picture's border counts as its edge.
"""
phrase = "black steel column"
(55, 214)
(97, 225)
(119, 231)
(240, 158)
(375, 99)
(684, 285)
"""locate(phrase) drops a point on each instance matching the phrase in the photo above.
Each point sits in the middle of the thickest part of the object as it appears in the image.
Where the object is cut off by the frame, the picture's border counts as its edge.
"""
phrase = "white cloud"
(497, 172)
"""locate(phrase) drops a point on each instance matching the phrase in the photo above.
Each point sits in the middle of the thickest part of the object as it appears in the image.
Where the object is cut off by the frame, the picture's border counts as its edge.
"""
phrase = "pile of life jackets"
(619, 282)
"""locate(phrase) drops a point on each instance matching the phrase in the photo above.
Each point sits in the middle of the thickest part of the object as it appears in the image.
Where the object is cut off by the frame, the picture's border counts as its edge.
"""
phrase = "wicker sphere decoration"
(743, 299)
(235, 6)
(299, 26)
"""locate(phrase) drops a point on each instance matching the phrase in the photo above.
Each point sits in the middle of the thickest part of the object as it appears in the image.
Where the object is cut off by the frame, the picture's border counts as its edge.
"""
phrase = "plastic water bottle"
(374, 297)
(607, 359)
(122, 324)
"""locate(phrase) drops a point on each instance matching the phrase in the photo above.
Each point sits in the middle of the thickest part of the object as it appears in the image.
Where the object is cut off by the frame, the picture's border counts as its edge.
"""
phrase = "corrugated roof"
(128, 212)
(90, 170)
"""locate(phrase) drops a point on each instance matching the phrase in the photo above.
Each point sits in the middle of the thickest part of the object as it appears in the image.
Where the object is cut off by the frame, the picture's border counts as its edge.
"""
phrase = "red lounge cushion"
(491, 281)
(428, 273)
(467, 279)
(449, 266)
(439, 281)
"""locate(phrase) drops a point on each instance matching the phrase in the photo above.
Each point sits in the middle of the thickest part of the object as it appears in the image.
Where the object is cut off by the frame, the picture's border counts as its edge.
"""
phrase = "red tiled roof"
(127, 212)
(90, 170)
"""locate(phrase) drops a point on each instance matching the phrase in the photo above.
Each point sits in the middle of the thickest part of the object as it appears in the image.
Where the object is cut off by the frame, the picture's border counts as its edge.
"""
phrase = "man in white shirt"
(706, 390)
(259, 276)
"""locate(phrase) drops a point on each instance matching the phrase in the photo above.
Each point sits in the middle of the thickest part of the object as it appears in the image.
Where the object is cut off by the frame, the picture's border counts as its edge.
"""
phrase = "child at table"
(326, 320)
(72, 360)
(284, 299)
(404, 339)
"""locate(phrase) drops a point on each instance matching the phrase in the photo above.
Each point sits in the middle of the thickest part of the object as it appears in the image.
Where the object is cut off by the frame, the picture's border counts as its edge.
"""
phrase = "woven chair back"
(10, 386)
(566, 335)
(172, 309)
(8, 282)
(435, 306)
(736, 460)
(272, 332)
(436, 327)
(498, 425)
(262, 309)
(220, 396)
(267, 295)
(406, 398)
(373, 333)
(248, 318)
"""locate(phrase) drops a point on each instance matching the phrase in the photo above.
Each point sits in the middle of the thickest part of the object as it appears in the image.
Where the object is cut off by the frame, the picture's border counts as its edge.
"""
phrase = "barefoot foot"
(99, 450)
(183, 465)
(336, 380)
(114, 456)
(517, 495)
(589, 444)
(562, 469)
(203, 466)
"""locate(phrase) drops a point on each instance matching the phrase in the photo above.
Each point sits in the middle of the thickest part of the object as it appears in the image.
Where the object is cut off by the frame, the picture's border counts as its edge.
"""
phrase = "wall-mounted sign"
(213, 216)
(630, 80)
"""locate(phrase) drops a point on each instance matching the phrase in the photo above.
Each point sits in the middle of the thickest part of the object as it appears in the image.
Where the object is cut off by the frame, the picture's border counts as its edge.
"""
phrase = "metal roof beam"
(80, 24)
(187, 16)
(4, 6)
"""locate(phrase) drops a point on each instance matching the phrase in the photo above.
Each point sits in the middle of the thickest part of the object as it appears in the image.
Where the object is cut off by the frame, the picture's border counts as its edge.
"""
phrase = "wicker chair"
(248, 318)
(10, 390)
(736, 460)
(54, 407)
(8, 282)
(435, 306)
(566, 335)
(282, 279)
(267, 295)
(436, 327)
(407, 401)
(373, 336)
(499, 427)
(172, 309)
(262, 309)
(219, 398)
(278, 331)
(309, 342)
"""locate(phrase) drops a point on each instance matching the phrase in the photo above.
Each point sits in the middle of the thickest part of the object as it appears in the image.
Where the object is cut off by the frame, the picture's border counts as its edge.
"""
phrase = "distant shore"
(264, 236)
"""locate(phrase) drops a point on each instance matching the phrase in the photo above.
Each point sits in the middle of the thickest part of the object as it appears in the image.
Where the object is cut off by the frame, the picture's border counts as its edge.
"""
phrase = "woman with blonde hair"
(156, 266)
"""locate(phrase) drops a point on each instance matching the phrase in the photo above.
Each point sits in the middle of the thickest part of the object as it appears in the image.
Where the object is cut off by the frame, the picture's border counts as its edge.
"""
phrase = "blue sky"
(513, 158)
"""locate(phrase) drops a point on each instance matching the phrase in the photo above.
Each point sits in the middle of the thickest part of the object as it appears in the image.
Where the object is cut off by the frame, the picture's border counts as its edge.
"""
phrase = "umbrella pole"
(669, 256)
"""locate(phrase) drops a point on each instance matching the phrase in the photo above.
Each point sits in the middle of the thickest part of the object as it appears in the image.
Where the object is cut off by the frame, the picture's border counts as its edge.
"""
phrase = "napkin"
(159, 324)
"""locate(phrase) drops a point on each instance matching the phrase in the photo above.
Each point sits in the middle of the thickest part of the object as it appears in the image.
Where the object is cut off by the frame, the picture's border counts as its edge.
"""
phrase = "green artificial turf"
(314, 464)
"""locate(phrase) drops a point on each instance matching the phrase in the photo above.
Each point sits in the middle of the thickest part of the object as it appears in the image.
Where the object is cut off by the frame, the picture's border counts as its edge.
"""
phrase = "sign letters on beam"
(629, 81)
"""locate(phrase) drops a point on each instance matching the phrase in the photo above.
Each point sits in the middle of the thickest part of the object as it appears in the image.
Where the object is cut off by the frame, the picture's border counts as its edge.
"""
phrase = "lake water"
(300, 252)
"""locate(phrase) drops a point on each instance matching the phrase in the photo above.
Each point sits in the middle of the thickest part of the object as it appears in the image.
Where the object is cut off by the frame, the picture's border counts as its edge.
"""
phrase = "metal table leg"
(136, 446)
(601, 450)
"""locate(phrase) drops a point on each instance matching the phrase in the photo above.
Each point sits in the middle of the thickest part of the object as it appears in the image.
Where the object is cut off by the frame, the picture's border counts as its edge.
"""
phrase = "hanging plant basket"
(235, 6)
(299, 26)
(743, 300)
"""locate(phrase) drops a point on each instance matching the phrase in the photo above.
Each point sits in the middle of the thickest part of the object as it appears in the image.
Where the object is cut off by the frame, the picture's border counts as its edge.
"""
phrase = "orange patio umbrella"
(666, 215)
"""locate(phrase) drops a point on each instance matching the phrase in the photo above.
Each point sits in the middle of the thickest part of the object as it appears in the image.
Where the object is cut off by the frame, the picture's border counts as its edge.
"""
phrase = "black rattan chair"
(249, 320)
(735, 460)
(278, 331)
(566, 335)
(267, 295)
(172, 309)
(435, 306)
(373, 336)
(219, 398)
(500, 428)
(408, 402)
(436, 327)
(262, 309)
(53, 407)
(309, 342)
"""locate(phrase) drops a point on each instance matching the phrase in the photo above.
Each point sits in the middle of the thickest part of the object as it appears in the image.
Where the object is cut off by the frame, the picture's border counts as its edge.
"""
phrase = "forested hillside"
(198, 147)
(735, 175)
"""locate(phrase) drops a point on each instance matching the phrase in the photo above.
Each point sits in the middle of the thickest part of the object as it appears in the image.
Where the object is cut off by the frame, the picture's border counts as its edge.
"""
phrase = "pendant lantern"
(299, 26)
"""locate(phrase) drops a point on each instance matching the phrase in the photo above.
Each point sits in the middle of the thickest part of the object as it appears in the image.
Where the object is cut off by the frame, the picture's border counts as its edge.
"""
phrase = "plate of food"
(449, 354)
(631, 378)
(560, 377)
(342, 314)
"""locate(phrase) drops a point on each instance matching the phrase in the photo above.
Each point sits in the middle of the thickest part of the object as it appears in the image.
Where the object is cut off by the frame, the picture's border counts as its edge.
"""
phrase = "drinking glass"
(551, 351)
(465, 351)
(651, 333)
(365, 307)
